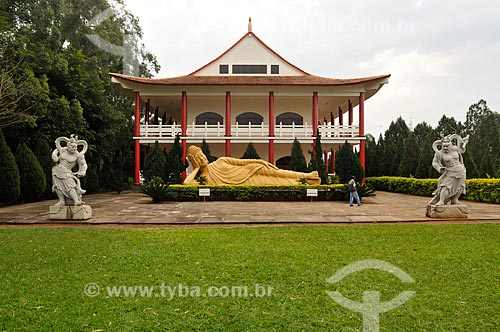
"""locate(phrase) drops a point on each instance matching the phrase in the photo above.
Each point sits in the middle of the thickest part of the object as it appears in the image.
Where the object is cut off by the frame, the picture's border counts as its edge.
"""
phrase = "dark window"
(210, 118)
(275, 69)
(288, 118)
(251, 117)
(223, 69)
(249, 69)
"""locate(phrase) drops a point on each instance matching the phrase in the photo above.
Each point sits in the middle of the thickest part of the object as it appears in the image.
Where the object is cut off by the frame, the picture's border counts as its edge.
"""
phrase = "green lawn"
(44, 271)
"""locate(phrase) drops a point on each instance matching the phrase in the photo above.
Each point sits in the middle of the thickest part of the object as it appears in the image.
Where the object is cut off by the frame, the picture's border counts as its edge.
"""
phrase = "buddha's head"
(196, 157)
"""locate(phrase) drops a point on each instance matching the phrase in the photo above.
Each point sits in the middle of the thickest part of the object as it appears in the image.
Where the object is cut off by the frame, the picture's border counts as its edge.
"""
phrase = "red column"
(184, 130)
(362, 130)
(148, 105)
(341, 117)
(137, 133)
(351, 113)
(271, 127)
(228, 123)
(315, 113)
(326, 160)
(332, 161)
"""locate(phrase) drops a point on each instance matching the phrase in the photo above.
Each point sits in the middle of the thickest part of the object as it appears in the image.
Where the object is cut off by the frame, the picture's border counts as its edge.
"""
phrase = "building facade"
(250, 94)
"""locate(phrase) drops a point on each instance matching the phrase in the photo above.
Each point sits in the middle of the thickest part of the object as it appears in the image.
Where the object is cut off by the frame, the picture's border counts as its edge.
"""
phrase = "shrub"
(31, 174)
(258, 193)
(10, 186)
(481, 190)
(157, 190)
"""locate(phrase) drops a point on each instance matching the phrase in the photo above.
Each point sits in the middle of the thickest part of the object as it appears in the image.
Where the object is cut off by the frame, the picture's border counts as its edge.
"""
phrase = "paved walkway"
(131, 208)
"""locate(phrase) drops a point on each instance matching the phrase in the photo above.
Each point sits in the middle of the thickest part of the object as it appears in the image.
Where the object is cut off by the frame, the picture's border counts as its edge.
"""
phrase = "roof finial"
(249, 25)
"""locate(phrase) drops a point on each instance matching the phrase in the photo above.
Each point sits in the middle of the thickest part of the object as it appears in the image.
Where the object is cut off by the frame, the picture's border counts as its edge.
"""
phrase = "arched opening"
(284, 162)
(210, 118)
(249, 117)
(288, 118)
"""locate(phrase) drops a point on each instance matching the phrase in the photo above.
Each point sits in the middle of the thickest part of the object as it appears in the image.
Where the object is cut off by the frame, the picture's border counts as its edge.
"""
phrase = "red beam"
(137, 133)
(228, 123)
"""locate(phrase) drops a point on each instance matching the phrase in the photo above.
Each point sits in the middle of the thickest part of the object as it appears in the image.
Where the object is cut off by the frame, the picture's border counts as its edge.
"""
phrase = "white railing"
(249, 130)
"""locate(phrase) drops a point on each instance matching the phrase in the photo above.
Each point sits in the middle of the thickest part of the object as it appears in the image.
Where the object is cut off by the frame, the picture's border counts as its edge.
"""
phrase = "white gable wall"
(250, 51)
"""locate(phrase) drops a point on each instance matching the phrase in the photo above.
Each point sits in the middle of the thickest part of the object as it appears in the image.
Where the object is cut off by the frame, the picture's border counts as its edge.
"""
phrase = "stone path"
(135, 209)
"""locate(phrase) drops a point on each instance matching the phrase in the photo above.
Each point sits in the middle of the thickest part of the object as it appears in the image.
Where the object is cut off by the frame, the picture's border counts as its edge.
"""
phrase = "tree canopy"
(57, 80)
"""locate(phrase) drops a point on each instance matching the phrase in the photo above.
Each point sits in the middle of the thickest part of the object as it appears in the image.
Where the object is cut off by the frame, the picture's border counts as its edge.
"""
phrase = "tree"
(67, 77)
(206, 151)
(176, 165)
(411, 154)
(18, 96)
(317, 163)
(250, 152)
(424, 166)
(487, 167)
(9, 181)
(447, 126)
(32, 176)
(371, 156)
(297, 160)
(155, 164)
(394, 139)
(347, 164)
(421, 131)
(470, 165)
(42, 151)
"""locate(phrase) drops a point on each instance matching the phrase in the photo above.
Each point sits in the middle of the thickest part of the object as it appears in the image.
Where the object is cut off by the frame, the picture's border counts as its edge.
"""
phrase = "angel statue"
(449, 162)
(65, 182)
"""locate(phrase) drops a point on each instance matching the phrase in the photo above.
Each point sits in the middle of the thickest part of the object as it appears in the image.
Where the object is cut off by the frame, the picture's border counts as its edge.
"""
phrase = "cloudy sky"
(443, 55)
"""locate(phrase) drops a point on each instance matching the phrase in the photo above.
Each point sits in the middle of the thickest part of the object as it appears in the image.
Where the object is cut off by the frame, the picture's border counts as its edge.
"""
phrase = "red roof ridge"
(239, 41)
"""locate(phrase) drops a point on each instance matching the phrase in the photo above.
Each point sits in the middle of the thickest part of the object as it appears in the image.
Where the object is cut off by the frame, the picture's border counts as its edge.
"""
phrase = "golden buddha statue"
(227, 170)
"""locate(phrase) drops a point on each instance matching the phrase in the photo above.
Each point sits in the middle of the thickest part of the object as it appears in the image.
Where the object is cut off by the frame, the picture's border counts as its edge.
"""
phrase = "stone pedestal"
(80, 212)
(447, 211)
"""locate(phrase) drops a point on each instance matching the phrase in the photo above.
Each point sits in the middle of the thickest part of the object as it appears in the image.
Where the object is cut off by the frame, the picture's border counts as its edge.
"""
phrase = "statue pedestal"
(80, 212)
(447, 211)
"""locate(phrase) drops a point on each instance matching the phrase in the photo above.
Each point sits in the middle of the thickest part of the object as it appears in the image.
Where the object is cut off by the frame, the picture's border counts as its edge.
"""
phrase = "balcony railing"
(249, 130)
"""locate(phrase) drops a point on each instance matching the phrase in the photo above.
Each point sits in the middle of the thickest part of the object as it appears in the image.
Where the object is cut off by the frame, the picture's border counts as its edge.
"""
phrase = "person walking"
(353, 191)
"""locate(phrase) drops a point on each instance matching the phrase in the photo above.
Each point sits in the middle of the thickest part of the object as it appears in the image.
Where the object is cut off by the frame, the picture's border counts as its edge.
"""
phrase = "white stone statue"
(449, 162)
(451, 184)
(65, 183)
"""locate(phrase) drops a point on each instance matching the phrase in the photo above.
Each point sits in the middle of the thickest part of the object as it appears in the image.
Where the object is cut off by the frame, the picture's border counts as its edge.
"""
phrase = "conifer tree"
(155, 164)
(206, 151)
(411, 154)
(175, 164)
(297, 160)
(424, 166)
(317, 163)
(31, 174)
(9, 180)
(347, 164)
(250, 152)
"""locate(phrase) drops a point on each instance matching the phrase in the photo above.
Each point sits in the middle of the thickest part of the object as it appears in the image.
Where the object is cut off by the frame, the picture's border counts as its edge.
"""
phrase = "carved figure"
(449, 162)
(226, 170)
(65, 183)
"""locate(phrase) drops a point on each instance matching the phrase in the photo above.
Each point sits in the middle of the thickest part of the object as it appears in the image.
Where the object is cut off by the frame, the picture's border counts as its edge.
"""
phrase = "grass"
(43, 273)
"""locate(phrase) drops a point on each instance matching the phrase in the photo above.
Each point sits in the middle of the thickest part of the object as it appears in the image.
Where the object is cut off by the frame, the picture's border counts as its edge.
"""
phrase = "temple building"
(250, 94)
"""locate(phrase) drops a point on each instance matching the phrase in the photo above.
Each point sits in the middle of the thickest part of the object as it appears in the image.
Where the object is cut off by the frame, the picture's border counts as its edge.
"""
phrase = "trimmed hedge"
(480, 190)
(334, 192)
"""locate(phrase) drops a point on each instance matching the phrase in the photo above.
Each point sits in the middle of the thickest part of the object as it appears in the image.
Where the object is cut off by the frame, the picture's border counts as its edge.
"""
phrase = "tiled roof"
(308, 80)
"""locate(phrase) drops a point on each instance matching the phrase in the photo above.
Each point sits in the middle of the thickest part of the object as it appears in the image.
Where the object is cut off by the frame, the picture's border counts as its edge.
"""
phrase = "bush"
(157, 190)
(258, 193)
(31, 174)
(10, 186)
